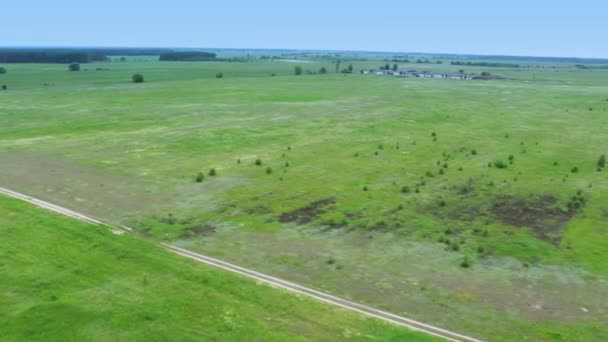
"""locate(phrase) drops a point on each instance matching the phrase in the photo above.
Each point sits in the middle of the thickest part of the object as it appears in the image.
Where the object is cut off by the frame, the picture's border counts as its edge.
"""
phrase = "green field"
(375, 188)
(63, 280)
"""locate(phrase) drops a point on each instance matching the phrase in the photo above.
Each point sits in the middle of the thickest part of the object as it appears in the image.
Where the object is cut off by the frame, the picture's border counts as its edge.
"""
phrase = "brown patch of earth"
(541, 213)
(205, 230)
(308, 213)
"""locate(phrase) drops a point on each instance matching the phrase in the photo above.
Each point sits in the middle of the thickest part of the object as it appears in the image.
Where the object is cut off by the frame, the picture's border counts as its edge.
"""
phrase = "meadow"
(75, 281)
(478, 206)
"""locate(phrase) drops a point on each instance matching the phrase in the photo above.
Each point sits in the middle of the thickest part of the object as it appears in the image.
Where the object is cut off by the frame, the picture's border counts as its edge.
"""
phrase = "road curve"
(276, 282)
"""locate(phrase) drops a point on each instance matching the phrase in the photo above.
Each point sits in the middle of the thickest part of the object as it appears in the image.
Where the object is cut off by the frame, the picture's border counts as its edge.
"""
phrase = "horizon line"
(294, 49)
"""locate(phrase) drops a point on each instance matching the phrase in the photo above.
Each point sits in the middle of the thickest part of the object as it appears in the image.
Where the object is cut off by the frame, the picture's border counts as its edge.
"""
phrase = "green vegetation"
(137, 78)
(131, 153)
(67, 280)
(74, 66)
(189, 56)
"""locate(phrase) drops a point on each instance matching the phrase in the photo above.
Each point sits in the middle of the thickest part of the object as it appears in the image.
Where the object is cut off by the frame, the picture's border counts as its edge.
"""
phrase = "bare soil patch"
(541, 213)
(308, 213)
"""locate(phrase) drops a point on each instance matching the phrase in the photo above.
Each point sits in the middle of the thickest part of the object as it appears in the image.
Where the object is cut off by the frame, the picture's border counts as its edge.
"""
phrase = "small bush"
(405, 189)
(466, 262)
(474, 152)
(268, 170)
(331, 261)
(601, 162)
(365, 188)
(258, 162)
(499, 164)
(74, 67)
(137, 78)
(429, 174)
(400, 207)
(455, 247)
(212, 172)
(219, 75)
(238, 161)
(4, 87)
(286, 164)
(200, 177)
(574, 169)
(3, 70)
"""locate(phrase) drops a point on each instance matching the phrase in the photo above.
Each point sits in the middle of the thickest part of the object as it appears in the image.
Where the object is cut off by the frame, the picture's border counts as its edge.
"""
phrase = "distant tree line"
(582, 66)
(487, 64)
(188, 56)
(50, 56)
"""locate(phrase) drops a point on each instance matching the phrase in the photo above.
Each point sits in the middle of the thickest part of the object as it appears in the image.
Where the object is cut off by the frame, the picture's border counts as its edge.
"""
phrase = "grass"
(129, 153)
(67, 280)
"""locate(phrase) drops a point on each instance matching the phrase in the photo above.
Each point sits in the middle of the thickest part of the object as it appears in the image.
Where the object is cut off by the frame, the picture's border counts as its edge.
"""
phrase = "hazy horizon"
(521, 28)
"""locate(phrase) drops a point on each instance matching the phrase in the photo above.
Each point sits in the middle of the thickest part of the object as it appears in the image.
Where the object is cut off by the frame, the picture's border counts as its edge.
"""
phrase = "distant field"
(66, 280)
(376, 188)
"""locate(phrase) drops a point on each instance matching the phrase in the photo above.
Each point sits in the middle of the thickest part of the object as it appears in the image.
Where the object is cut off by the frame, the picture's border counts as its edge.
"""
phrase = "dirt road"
(276, 282)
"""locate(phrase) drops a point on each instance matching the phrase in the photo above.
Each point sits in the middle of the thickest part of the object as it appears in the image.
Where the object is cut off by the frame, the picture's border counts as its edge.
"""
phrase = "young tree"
(74, 66)
(298, 70)
(338, 66)
(2, 70)
(323, 70)
(350, 68)
(137, 78)
(395, 67)
(219, 75)
(601, 162)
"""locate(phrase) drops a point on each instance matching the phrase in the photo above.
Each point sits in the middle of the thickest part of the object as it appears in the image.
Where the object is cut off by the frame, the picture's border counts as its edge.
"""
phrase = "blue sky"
(514, 27)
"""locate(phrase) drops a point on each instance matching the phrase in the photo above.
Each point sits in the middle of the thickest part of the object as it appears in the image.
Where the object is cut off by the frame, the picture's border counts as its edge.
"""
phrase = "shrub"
(219, 75)
(200, 177)
(297, 70)
(500, 164)
(466, 262)
(238, 161)
(137, 78)
(455, 247)
(601, 162)
(574, 169)
(286, 164)
(365, 188)
(212, 172)
(400, 207)
(268, 170)
(4, 87)
(331, 261)
(2, 70)
(258, 162)
(74, 66)
(474, 152)
(511, 158)
(429, 174)
(323, 70)
(405, 189)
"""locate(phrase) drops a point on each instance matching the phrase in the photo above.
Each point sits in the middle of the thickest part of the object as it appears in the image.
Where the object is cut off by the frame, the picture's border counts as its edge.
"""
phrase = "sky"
(515, 27)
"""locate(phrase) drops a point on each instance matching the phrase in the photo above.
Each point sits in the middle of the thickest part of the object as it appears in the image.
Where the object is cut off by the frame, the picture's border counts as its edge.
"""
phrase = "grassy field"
(63, 280)
(376, 188)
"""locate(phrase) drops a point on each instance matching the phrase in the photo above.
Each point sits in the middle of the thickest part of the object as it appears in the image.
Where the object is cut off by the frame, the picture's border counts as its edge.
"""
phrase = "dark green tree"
(137, 78)
(74, 66)
(297, 70)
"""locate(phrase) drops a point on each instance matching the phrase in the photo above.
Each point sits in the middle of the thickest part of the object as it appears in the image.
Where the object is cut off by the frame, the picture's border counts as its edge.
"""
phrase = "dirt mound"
(308, 213)
(543, 214)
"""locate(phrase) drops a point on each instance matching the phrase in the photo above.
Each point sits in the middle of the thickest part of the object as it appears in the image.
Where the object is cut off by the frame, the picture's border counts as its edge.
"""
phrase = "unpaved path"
(276, 282)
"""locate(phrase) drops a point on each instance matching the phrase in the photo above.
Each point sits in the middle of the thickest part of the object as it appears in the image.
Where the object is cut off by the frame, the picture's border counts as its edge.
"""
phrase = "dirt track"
(276, 282)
